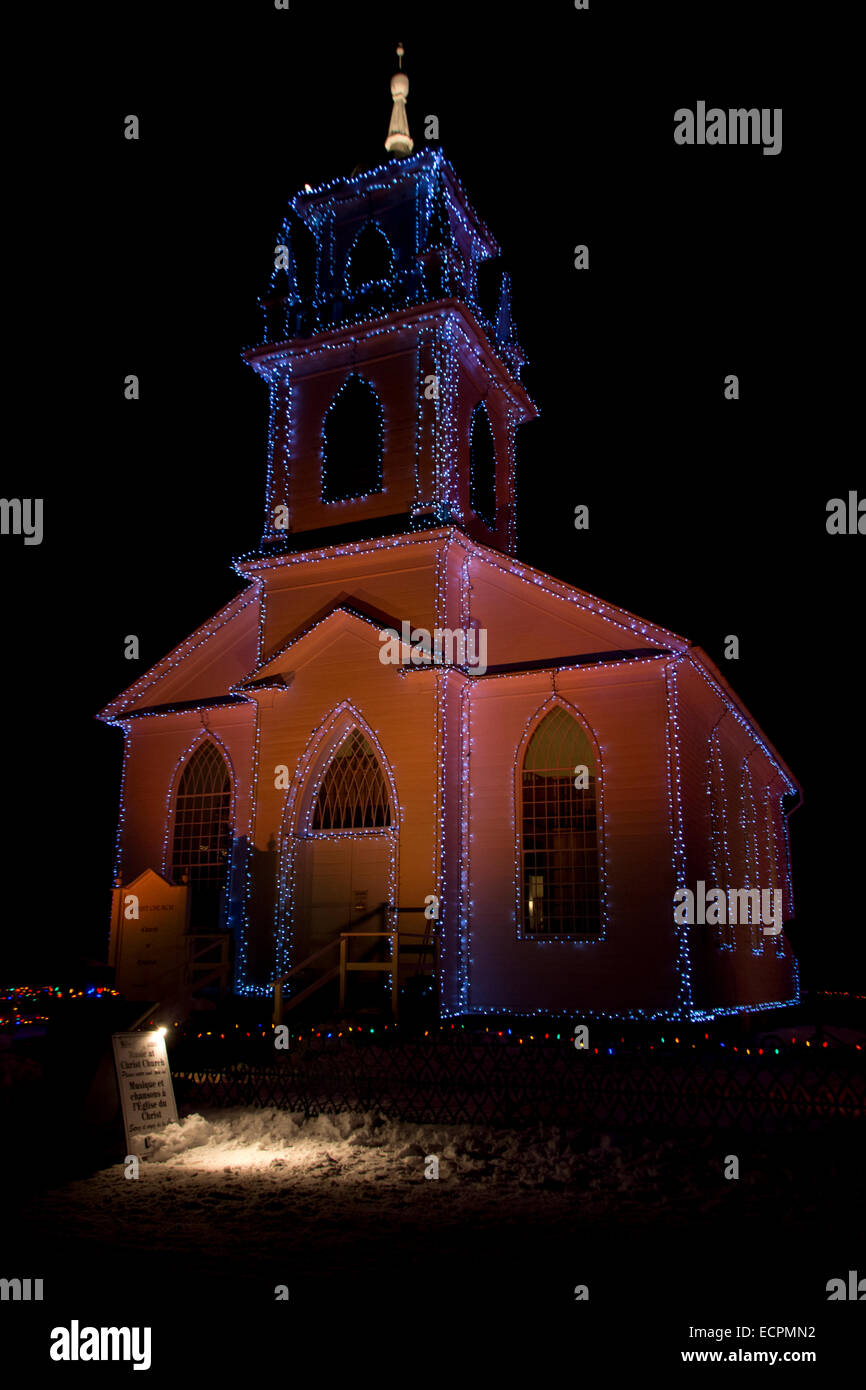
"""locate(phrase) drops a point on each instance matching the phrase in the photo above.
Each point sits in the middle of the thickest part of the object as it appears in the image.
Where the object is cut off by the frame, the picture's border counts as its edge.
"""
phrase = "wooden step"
(311, 989)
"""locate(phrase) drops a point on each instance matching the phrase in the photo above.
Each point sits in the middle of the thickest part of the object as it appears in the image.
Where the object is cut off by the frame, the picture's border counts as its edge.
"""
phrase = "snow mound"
(366, 1145)
(261, 1138)
(177, 1138)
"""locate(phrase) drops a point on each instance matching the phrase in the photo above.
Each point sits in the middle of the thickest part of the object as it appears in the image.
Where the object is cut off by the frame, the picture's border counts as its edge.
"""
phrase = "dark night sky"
(707, 516)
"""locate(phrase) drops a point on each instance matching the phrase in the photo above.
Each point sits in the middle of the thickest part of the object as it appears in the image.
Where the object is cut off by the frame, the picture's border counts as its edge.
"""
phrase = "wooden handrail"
(212, 942)
(311, 989)
(342, 941)
(302, 965)
(329, 946)
(374, 912)
(368, 933)
(201, 973)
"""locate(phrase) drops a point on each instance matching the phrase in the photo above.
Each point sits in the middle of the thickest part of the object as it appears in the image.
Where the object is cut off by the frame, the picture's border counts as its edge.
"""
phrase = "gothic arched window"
(489, 284)
(482, 466)
(202, 832)
(370, 258)
(353, 794)
(560, 845)
(352, 443)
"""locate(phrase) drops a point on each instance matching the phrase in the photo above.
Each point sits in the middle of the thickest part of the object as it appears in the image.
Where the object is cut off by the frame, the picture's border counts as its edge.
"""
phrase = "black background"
(706, 515)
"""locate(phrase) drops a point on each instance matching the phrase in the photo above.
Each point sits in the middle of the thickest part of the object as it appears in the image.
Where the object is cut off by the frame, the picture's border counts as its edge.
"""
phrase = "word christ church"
(523, 824)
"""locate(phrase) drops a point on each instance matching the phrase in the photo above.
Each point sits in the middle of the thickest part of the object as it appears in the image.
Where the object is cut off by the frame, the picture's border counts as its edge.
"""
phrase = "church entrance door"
(340, 881)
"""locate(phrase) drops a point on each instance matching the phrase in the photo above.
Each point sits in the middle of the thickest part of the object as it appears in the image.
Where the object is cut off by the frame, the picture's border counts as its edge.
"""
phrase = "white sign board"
(144, 1081)
(148, 937)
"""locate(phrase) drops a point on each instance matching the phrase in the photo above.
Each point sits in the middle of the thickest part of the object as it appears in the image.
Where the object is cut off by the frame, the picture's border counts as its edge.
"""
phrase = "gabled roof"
(369, 620)
(302, 645)
(652, 633)
(235, 625)
(234, 629)
(712, 675)
(515, 572)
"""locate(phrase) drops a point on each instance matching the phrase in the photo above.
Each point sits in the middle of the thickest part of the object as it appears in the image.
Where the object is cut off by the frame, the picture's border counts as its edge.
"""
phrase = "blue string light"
(436, 240)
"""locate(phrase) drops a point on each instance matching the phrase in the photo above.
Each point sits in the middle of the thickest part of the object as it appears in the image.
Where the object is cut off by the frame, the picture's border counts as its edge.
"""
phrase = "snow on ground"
(239, 1179)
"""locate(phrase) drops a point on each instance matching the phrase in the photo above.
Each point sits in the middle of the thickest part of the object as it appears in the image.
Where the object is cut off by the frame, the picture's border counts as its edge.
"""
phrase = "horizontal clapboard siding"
(633, 967)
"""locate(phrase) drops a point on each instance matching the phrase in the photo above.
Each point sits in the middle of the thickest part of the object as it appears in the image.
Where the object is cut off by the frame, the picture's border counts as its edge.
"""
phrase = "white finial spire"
(399, 141)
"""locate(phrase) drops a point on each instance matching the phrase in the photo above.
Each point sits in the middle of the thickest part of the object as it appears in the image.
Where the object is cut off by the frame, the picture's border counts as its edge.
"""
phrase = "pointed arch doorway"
(345, 850)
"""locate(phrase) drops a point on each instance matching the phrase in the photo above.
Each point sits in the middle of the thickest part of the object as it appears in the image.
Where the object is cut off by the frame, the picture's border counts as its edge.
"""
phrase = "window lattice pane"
(353, 794)
(561, 862)
(202, 830)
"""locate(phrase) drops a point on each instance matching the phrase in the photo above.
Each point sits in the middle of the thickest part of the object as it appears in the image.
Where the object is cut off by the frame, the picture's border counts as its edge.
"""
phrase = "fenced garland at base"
(460, 1083)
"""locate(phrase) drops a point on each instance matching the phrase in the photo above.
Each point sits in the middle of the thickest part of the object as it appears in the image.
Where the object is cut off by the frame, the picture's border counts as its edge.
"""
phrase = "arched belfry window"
(560, 844)
(202, 833)
(482, 466)
(370, 258)
(352, 442)
(302, 257)
(353, 794)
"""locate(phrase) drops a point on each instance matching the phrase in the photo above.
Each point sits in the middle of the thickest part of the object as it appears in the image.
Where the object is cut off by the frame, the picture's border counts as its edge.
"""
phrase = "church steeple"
(399, 142)
(395, 390)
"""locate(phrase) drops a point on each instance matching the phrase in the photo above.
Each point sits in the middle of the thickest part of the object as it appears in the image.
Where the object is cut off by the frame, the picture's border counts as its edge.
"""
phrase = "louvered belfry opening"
(202, 833)
(302, 251)
(561, 865)
(353, 794)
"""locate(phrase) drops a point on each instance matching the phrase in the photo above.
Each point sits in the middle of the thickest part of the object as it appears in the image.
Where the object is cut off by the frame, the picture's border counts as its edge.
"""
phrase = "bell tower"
(394, 396)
